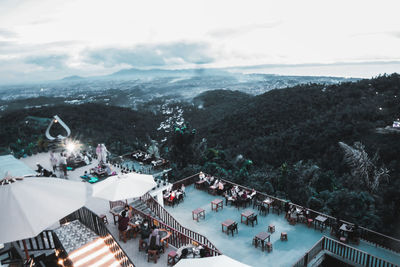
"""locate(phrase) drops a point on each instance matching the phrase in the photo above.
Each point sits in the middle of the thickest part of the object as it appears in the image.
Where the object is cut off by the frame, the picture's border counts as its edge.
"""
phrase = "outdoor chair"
(152, 255)
(269, 246)
(257, 203)
(276, 208)
(284, 236)
(264, 210)
(253, 219)
(123, 235)
(232, 228)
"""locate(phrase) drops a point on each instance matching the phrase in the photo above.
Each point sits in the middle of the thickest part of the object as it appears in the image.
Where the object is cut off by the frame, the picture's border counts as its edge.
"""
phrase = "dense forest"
(313, 144)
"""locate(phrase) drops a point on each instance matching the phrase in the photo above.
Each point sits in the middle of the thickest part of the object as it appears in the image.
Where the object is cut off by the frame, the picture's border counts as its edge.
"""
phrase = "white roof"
(14, 167)
(217, 261)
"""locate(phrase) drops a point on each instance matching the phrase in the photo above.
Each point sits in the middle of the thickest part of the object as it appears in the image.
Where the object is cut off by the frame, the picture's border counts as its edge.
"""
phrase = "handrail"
(344, 251)
(92, 221)
(169, 220)
(368, 235)
(43, 241)
(177, 238)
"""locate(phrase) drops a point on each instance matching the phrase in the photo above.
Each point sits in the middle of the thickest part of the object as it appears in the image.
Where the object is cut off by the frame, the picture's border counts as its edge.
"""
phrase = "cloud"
(7, 34)
(230, 32)
(152, 55)
(48, 61)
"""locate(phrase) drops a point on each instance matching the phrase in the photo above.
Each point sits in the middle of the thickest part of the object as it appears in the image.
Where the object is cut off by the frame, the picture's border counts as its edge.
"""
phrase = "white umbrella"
(31, 205)
(124, 186)
(216, 261)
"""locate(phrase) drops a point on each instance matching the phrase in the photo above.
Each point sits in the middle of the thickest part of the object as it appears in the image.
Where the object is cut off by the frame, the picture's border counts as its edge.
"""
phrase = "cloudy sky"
(51, 39)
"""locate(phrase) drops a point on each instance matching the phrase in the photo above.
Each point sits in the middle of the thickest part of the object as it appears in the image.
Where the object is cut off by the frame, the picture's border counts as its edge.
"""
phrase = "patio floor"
(239, 247)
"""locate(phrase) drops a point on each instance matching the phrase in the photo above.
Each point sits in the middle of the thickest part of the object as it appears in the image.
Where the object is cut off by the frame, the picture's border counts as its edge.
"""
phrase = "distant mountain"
(166, 73)
(72, 78)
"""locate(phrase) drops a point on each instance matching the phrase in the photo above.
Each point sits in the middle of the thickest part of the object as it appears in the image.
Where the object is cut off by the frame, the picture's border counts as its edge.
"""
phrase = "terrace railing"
(180, 236)
(343, 251)
(366, 234)
(166, 219)
(43, 241)
(93, 222)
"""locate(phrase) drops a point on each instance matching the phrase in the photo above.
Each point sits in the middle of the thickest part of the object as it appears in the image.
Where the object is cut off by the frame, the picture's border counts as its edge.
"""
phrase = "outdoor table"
(227, 223)
(345, 229)
(268, 202)
(198, 213)
(199, 184)
(262, 237)
(321, 222)
(217, 203)
(213, 190)
(246, 214)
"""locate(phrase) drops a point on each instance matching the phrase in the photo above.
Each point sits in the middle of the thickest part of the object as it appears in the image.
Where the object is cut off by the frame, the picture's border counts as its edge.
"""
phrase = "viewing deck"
(239, 247)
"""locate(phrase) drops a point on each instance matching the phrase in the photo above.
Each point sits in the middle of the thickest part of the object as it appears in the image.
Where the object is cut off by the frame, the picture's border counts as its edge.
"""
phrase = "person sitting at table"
(172, 196)
(183, 189)
(128, 211)
(154, 241)
(201, 176)
(220, 188)
(253, 193)
(244, 194)
(123, 221)
(144, 231)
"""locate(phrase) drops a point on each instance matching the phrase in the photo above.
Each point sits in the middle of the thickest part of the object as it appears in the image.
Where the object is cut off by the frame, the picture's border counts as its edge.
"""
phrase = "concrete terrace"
(239, 247)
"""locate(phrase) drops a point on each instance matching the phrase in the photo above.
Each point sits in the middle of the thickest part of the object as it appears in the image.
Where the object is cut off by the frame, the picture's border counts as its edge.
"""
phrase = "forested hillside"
(315, 145)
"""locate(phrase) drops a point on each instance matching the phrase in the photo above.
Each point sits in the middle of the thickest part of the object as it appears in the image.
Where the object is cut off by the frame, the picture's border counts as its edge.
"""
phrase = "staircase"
(94, 254)
(142, 207)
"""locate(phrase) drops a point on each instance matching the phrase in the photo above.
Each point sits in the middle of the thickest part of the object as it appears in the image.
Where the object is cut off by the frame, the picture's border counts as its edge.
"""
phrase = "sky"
(51, 39)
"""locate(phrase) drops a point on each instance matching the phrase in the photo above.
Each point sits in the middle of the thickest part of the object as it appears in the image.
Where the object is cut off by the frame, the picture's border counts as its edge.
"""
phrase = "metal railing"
(366, 234)
(92, 221)
(43, 241)
(169, 220)
(344, 252)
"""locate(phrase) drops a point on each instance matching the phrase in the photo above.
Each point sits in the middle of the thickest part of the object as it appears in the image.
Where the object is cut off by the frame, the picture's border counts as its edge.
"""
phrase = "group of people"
(212, 182)
(73, 158)
(174, 196)
(101, 153)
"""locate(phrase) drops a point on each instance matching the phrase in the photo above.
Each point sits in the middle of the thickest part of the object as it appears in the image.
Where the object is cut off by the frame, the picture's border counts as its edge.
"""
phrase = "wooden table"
(262, 237)
(216, 204)
(344, 230)
(198, 214)
(268, 202)
(200, 184)
(321, 222)
(227, 223)
(246, 214)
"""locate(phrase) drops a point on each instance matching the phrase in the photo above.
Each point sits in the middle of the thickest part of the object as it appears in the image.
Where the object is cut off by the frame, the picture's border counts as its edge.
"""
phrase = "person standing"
(53, 161)
(103, 153)
(98, 152)
(63, 164)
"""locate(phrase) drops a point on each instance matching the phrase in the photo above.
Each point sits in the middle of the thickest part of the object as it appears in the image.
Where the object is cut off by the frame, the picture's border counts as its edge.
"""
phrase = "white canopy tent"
(216, 261)
(14, 167)
(31, 205)
(124, 186)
